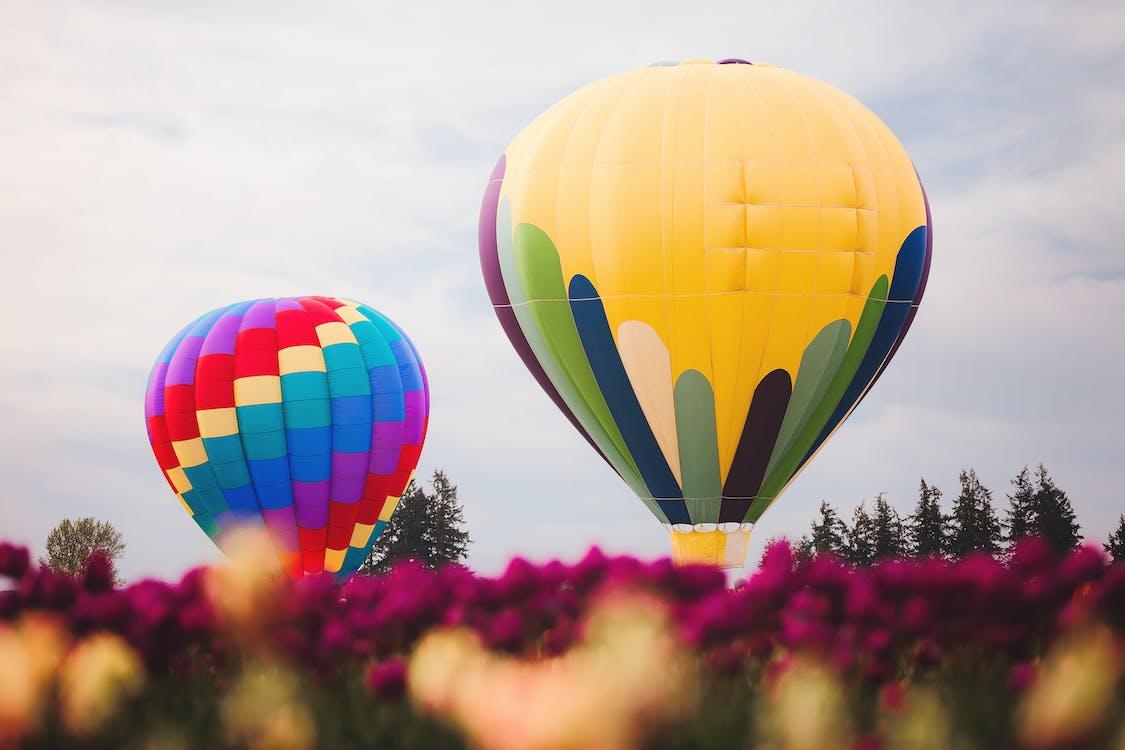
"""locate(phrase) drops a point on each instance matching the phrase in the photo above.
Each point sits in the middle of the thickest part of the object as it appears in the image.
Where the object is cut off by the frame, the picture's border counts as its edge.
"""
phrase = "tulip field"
(608, 652)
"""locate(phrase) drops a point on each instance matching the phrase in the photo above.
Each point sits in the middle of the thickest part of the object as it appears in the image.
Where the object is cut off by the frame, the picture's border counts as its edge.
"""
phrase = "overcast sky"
(158, 161)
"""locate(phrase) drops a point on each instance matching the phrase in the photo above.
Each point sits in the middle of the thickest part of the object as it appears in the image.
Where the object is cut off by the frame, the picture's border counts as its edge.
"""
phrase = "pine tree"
(1055, 521)
(974, 521)
(860, 550)
(449, 542)
(427, 528)
(828, 534)
(888, 538)
(71, 543)
(1116, 544)
(927, 527)
(1021, 519)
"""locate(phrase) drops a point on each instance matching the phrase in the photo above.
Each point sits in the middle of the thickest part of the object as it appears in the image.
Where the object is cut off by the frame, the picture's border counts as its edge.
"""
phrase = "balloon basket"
(723, 545)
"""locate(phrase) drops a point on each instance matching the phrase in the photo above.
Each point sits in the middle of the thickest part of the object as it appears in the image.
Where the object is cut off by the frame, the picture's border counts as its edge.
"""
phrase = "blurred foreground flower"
(29, 654)
(805, 709)
(627, 675)
(1074, 692)
(245, 588)
(98, 676)
(264, 711)
(921, 722)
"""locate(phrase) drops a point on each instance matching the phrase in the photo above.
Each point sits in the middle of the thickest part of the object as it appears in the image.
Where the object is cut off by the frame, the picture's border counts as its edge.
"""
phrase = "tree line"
(1037, 506)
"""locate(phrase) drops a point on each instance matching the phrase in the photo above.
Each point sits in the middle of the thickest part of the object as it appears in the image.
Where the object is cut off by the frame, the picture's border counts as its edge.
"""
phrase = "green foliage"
(70, 544)
(828, 534)
(1054, 517)
(927, 528)
(888, 535)
(1021, 519)
(860, 547)
(1116, 544)
(426, 527)
(975, 525)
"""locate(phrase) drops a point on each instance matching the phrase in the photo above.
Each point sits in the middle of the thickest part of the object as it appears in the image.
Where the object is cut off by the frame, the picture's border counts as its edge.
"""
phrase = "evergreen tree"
(1021, 519)
(888, 538)
(974, 521)
(425, 527)
(71, 543)
(927, 527)
(449, 542)
(828, 534)
(1116, 544)
(860, 548)
(1055, 521)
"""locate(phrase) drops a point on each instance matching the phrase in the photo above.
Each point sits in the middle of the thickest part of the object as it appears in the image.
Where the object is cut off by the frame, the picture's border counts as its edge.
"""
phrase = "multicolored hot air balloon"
(305, 415)
(706, 266)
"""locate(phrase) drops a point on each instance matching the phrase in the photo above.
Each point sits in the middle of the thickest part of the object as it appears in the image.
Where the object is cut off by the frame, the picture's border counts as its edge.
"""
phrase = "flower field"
(606, 653)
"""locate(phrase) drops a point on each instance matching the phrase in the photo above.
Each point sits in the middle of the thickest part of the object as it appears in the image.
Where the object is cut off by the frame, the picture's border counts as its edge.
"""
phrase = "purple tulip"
(387, 679)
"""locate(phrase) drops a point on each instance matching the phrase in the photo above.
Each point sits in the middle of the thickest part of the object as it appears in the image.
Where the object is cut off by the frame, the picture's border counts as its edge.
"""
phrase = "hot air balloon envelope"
(706, 266)
(303, 415)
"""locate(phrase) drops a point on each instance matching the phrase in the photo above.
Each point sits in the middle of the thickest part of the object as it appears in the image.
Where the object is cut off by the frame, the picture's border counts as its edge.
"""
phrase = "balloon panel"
(303, 416)
(705, 266)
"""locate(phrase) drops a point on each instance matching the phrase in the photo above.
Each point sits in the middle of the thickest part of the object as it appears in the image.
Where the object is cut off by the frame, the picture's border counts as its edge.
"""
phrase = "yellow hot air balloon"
(706, 266)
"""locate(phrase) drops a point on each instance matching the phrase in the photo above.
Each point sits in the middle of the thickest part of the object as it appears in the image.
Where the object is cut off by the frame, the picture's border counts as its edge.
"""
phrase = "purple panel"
(348, 490)
(260, 315)
(154, 395)
(501, 304)
(414, 404)
(220, 339)
(386, 443)
(734, 61)
(486, 236)
(282, 526)
(288, 303)
(310, 502)
(181, 370)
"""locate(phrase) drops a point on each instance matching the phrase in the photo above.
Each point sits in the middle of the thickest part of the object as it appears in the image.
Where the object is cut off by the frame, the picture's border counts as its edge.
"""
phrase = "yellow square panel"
(726, 270)
(863, 273)
(184, 503)
(827, 309)
(306, 358)
(763, 227)
(257, 389)
(798, 272)
(865, 195)
(800, 228)
(361, 535)
(388, 509)
(723, 181)
(725, 226)
(215, 423)
(762, 267)
(834, 273)
(856, 303)
(334, 333)
(800, 185)
(333, 559)
(762, 186)
(179, 479)
(839, 229)
(837, 184)
(349, 314)
(190, 452)
(866, 231)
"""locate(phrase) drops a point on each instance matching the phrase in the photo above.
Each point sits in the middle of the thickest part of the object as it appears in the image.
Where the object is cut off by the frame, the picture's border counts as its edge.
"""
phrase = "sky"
(162, 159)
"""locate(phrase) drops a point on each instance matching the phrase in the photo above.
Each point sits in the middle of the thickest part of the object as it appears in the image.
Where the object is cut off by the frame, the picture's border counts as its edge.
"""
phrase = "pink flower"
(387, 679)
